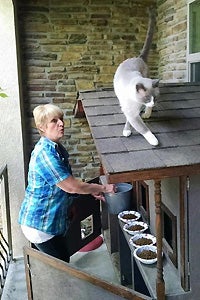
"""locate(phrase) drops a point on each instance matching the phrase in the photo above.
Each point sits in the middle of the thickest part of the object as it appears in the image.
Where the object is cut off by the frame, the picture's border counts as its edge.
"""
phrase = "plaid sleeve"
(51, 168)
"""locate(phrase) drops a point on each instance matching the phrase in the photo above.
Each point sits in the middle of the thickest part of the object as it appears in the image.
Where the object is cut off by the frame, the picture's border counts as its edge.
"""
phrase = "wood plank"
(184, 268)
(113, 107)
(176, 114)
(166, 140)
(110, 145)
(68, 280)
(179, 96)
(102, 110)
(97, 94)
(179, 139)
(160, 126)
(151, 159)
(152, 174)
(122, 144)
(179, 156)
(161, 112)
(177, 104)
(179, 88)
(107, 131)
(164, 118)
(100, 101)
(107, 119)
(174, 125)
(160, 284)
(129, 161)
(137, 142)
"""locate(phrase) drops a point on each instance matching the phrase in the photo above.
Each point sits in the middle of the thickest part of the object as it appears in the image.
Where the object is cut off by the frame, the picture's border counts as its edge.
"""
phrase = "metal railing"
(5, 242)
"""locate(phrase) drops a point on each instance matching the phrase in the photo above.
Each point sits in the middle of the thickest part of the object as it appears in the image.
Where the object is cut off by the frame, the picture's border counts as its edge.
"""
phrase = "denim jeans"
(55, 247)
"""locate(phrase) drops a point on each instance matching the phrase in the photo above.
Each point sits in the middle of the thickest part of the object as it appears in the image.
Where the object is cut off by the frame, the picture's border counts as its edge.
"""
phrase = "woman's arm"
(73, 185)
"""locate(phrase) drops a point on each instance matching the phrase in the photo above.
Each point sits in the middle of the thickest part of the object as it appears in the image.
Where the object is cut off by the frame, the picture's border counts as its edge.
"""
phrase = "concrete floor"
(97, 262)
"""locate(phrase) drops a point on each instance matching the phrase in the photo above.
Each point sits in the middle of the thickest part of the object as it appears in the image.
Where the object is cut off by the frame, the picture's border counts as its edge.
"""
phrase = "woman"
(44, 212)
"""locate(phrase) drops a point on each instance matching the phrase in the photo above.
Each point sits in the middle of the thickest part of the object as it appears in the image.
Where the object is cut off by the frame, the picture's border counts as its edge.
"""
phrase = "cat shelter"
(165, 183)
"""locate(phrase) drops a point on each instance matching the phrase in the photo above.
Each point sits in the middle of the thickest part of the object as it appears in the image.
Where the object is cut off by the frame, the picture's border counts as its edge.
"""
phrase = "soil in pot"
(135, 227)
(129, 216)
(143, 241)
(147, 254)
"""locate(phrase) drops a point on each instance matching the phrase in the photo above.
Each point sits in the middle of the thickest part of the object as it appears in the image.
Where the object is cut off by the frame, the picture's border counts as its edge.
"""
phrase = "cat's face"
(146, 94)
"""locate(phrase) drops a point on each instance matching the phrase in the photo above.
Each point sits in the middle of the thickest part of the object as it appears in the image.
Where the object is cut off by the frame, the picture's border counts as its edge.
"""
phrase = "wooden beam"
(78, 110)
(184, 271)
(160, 284)
(33, 259)
(151, 174)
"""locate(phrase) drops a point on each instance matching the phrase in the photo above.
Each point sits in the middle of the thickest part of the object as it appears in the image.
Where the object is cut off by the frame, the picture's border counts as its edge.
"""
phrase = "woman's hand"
(98, 196)
(73, 186)
(108, 188)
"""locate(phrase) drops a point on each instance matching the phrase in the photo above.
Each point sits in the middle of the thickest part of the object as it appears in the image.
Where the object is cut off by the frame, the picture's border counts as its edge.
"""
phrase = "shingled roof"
(175, 122)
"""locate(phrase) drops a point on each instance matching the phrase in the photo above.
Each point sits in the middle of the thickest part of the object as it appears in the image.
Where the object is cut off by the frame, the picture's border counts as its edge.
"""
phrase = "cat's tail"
(149, 37)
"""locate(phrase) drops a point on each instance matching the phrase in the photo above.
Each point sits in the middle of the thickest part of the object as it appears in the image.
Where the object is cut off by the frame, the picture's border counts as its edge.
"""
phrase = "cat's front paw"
(126, 132)
(151, 139)
(146, 115)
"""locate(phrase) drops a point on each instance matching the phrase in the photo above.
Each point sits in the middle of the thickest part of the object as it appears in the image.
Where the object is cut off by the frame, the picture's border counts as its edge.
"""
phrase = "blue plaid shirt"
(45, 206)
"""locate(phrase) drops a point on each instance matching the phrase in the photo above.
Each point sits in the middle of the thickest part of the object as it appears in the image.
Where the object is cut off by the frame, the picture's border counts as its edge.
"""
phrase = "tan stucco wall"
(11, 148)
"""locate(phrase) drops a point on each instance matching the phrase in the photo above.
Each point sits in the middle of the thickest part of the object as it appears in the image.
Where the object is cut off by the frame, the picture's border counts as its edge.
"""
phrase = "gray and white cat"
(135, 91)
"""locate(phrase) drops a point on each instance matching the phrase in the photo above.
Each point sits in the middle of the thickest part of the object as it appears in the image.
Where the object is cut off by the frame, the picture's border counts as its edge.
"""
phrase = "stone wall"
(68, 46)
(172, 40)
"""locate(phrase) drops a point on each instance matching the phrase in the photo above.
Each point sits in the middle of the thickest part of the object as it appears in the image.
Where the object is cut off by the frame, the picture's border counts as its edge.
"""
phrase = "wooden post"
(78, 110)
(101, 171)
(160, 284)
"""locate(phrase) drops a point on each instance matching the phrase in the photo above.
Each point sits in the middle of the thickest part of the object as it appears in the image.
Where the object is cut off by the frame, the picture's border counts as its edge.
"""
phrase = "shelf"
(149, 272)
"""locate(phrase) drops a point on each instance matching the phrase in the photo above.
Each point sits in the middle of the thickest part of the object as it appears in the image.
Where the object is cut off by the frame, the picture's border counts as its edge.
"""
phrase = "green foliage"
(2, 95)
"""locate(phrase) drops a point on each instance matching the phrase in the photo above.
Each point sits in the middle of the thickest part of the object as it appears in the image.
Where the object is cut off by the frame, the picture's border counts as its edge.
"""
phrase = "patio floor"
(97, 262)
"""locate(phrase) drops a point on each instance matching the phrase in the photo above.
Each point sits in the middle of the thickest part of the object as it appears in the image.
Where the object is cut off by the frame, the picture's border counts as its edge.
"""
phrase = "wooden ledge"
(78, 110)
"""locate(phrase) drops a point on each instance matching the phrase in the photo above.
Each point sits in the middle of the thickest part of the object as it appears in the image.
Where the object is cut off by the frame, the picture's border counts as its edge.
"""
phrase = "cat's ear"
(155, 82)
(140, 86)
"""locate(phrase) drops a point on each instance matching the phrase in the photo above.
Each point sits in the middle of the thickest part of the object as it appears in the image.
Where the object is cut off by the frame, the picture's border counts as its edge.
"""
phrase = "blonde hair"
(43, 113)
